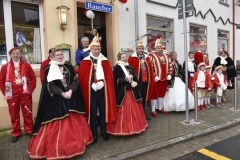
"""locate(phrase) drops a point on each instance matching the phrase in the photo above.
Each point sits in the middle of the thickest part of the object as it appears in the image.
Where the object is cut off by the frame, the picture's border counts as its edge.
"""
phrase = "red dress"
(61, 130)
(61, 139)
(130, 114)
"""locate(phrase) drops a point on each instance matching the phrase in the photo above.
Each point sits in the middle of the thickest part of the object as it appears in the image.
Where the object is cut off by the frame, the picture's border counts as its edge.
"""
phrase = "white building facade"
(213, 21)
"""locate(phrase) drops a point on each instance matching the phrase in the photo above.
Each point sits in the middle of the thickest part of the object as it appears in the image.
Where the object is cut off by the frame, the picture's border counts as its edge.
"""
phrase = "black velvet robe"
(195, 64)
(231, 70)
(52, 106)
(121, 85)
(177, 72)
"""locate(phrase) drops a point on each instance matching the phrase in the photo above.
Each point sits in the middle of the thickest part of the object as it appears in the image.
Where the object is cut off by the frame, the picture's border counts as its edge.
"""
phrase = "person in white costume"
(174, 99)
(220, 85)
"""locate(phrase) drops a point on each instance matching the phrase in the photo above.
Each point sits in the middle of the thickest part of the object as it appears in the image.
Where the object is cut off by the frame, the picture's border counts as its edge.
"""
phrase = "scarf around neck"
(54, 71)
(223, 60)
(190, 65)
(122, 65)
(99, 69)
(20, 80)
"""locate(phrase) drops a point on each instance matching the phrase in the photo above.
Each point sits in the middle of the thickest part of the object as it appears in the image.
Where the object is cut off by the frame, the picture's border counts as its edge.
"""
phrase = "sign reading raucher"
(99, 7)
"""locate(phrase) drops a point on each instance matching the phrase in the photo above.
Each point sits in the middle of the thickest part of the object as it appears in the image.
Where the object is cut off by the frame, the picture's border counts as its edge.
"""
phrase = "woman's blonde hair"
(56, 49)
(172, 53)
(119, 55)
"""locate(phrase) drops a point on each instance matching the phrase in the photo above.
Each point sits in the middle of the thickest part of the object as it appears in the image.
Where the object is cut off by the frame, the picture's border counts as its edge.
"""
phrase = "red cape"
(42, 68)
(85, 75)
(199, 57)
(134, 61)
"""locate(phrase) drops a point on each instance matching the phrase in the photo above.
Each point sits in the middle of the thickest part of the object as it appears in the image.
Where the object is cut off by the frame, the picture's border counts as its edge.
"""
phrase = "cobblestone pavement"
(163, 131)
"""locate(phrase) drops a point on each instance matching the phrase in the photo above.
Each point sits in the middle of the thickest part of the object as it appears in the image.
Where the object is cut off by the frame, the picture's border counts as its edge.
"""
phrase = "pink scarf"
(10, 78)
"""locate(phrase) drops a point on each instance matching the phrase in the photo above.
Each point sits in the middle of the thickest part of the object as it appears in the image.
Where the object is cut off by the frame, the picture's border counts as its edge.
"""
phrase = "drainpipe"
(136, 19)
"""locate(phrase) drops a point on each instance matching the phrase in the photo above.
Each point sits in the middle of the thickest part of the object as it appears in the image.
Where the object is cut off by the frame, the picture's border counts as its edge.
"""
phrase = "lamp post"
(62, 13)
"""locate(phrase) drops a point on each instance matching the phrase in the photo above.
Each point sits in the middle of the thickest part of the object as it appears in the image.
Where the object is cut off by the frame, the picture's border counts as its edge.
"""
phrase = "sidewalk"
(161, 132)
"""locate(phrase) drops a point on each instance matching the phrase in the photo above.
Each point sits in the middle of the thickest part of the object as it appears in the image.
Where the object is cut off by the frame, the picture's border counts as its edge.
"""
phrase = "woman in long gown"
(60, 131)
(130, 114)
(174, 99)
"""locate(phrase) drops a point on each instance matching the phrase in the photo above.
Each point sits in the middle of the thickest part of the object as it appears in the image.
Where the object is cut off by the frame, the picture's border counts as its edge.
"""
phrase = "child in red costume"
(209, 92)
(220, 85)
(203, 80)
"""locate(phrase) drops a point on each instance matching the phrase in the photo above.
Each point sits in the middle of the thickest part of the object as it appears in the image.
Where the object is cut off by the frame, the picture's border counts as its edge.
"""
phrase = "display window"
(159, 28)
(223, 40)
(3, 53)
(23, 30)
(197, 34)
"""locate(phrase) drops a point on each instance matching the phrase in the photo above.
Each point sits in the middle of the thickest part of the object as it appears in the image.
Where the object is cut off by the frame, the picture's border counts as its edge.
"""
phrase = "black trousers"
(143, 87)
(97, 100)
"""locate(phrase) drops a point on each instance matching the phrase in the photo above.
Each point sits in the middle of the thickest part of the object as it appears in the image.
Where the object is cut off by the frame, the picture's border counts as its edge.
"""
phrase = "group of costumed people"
(69, 105)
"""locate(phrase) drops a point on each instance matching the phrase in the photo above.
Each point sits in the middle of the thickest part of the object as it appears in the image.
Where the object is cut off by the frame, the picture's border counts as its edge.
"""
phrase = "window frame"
(166, 19)
(7, 11)
(194, 34)
(222, 38)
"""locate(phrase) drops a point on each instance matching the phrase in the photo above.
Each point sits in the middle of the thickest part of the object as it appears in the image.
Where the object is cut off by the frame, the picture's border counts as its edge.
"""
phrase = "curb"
(157, 146)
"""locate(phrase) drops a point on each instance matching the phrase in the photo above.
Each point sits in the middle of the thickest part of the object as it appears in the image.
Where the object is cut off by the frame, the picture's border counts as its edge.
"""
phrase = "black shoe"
(148, 118)
(105, 137)
(95, 139)
(15, 139)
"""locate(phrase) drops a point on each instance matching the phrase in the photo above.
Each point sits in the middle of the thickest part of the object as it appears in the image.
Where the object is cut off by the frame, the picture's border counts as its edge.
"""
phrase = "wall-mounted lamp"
(62, 11)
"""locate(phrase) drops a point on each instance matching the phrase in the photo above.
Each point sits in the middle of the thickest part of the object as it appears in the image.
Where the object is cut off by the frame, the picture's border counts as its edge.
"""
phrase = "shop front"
(34, 26)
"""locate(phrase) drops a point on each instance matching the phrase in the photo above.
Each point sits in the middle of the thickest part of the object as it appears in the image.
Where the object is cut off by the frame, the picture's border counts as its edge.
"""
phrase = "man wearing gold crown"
(143, 69)
(17, 83)
(202, 55)
(163, 68)
(96, 80)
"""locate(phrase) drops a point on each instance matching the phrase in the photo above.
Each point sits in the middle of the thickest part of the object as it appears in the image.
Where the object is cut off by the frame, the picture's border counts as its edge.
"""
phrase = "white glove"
(191, 74)
(94, 87)
(209, 89)
(100, 85)
(157, 78)
(213, 78)
(169, 77)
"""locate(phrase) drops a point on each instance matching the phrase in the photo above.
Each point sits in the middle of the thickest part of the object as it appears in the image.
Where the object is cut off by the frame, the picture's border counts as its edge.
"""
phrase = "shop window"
(159, 27)
(3, 53)
(197, 34)
(223, 39)
(26, 31)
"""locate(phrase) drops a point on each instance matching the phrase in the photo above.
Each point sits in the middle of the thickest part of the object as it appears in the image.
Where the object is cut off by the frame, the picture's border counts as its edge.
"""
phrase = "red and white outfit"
(209, 92)
(220, 86)
(17, 83)
(200, 57)
(163, 69)
(203, 80)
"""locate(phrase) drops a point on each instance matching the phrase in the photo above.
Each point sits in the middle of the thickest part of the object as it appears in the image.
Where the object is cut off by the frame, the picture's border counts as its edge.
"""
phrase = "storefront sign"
(99, 7)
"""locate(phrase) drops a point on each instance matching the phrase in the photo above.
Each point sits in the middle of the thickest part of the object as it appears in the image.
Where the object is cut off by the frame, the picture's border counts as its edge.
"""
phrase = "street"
(222, 145)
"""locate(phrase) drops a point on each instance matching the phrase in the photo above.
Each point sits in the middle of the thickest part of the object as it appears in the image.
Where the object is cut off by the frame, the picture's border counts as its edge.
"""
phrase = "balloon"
(85, 12)
(90, 14)
(123, 1)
